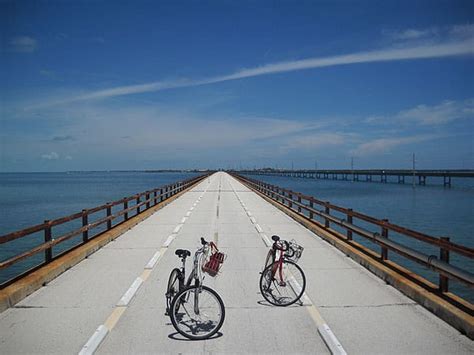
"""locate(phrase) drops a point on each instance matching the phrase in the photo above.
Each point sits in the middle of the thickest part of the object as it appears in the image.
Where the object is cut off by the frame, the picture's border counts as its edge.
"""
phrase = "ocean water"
(27, 199)
(430, 209)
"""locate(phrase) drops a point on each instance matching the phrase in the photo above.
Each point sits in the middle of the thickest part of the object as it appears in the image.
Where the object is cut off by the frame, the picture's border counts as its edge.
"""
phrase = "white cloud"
(427, 115)
(423, 51)
(411, 34)
(23, 44)
(50, 156)
(443, 113)
(384, 145)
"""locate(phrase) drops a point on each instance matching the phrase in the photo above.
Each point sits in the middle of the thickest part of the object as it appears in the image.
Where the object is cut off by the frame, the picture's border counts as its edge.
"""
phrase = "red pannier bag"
(215, 261)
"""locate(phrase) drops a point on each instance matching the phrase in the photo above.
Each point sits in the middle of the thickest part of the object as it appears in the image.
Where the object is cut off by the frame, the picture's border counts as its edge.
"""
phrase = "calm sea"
(430, 209)
(28, 199)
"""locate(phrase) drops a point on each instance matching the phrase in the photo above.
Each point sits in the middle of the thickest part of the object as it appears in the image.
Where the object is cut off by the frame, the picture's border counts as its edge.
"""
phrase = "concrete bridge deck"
(366, 315)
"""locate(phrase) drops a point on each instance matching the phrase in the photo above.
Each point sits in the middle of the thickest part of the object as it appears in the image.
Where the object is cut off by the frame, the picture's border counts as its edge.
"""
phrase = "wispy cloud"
(23, 44)
(384, 145)
(62, 138)
(445, 112)
(429, 115)
(455, 46)
(50, 156)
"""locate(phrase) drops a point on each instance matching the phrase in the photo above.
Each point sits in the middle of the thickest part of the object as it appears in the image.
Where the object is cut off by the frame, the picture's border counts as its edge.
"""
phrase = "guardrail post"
(384, 253)
(311, 204)
(147, 196)
(125, 207)
(290, 202)
(154, 198)
(109, 213)
(349, 220)
(161, 195)
(85, 222)
(48, 253)
(138, 202)
(327, 211)
(444, 256)
(299, 201)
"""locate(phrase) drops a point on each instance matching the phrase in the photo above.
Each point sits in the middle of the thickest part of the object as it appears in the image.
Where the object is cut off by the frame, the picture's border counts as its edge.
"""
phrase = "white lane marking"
(188, 213)
(127, 297)
(151, 264)
(331, 341)
(266, 240)
(253, 220)
(258, 228)
(183, 220)
(249, 214)
(192, 208)
(168, 241)
(325, 332)
(94, 341)
(178, 227)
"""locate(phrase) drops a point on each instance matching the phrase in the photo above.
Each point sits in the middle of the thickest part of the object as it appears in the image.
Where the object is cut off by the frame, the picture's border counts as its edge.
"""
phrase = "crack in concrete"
(372, 306)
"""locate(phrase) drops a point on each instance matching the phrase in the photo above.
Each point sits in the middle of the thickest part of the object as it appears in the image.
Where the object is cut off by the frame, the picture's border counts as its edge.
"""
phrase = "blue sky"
(103, 85)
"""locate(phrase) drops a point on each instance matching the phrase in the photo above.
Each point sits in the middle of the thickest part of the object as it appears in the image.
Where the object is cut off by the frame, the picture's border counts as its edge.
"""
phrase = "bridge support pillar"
(422, 180)
(401, 179)
(447, 181)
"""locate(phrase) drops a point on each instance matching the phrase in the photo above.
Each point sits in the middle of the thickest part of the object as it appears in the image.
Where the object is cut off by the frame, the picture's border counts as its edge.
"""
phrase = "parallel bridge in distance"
(355, 175)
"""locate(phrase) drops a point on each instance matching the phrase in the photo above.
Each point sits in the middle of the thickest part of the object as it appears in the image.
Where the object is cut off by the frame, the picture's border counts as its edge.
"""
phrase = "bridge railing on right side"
(344, 224)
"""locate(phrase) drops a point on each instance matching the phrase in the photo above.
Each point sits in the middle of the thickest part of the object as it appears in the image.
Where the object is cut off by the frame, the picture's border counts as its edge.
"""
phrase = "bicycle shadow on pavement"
(179, 337)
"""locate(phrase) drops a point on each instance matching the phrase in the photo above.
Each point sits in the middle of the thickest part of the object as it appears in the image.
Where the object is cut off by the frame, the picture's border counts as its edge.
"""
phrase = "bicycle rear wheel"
(197, 312)
(173, 288)
(282, 287)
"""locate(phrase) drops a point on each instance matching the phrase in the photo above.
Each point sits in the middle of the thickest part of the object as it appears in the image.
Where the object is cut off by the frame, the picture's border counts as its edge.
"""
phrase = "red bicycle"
(282, 282)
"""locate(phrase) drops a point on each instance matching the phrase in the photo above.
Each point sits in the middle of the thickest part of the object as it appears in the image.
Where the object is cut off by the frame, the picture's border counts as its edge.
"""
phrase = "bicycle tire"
(270, 258)
(283, 295)
(184, 297)
(173, 288)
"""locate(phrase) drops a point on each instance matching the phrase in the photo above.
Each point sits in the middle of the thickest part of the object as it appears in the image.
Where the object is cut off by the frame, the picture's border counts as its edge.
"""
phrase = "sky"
(115, 85)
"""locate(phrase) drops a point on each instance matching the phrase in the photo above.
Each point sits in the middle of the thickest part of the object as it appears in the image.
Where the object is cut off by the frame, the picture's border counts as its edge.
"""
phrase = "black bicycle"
(196, 311)
(282, 282)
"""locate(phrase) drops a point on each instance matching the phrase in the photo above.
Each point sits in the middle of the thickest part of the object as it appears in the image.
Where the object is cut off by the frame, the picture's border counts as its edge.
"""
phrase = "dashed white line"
(127, 297)
(330, 339)
(258, 228)
(253, 220)
(151, 264)
(183, 220)
(168, 241)
(94, 341)
(178, 227)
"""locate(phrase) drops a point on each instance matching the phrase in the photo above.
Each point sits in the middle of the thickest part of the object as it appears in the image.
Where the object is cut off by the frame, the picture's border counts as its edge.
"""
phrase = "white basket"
(298, 251)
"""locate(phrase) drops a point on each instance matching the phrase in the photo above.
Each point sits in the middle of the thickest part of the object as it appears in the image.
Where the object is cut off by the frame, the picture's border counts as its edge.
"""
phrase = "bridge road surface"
(366, 315)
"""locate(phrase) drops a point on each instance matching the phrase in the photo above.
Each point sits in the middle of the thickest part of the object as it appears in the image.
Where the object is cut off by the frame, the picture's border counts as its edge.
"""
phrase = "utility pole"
(413, 170)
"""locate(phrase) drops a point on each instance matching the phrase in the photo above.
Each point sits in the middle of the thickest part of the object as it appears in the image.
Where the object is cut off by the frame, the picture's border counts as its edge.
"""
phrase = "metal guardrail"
(298, 202)
(151, 198)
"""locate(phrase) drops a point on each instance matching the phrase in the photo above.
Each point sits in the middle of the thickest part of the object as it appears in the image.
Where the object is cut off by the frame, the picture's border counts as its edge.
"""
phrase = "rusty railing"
(128, 207)
(306, 206)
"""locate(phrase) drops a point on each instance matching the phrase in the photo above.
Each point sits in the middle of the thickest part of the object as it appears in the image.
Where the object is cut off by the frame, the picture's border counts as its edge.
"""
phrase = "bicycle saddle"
(182, 252)
(275, 238)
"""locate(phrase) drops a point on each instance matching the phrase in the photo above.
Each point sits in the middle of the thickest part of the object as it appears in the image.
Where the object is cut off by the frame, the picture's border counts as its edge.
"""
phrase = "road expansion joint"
(402, 304)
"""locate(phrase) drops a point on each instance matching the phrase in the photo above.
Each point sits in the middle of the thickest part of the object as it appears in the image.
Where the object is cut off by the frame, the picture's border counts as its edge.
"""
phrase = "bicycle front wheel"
(197, 312)
(282, 284)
